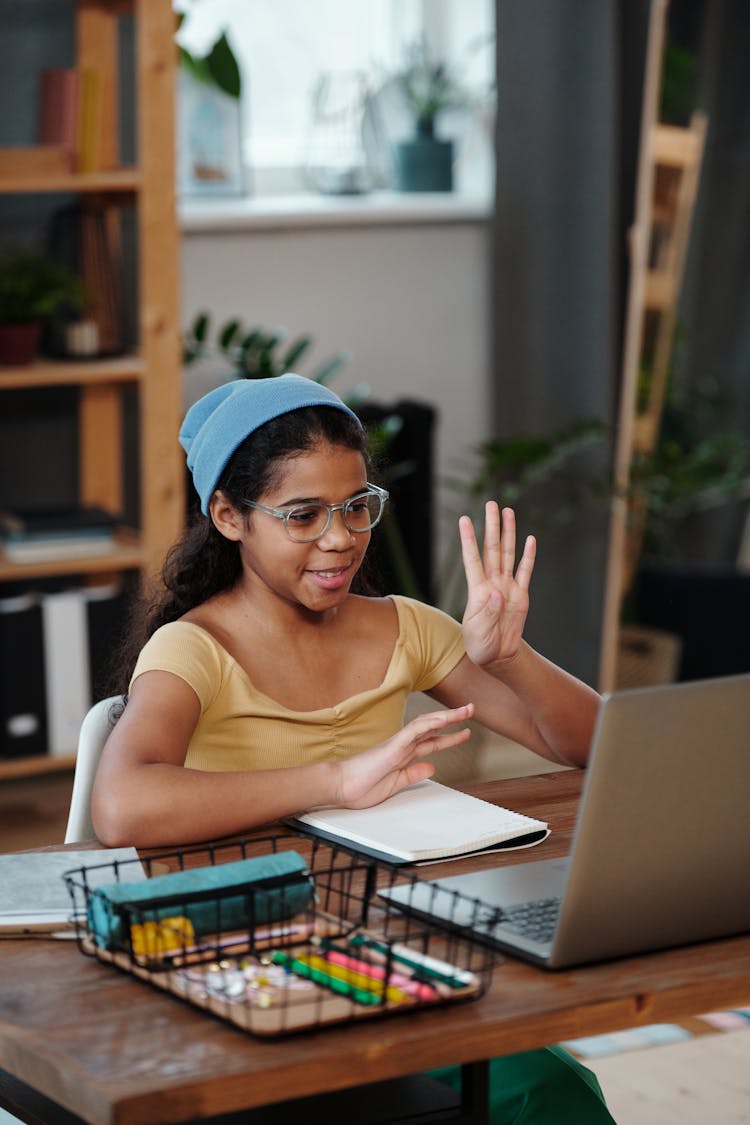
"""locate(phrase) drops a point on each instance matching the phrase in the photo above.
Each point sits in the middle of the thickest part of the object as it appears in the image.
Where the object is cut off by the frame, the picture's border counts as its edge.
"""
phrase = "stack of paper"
(34, 897)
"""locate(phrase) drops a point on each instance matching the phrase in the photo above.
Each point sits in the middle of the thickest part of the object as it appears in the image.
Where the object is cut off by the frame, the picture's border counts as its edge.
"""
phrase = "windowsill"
(274, 212)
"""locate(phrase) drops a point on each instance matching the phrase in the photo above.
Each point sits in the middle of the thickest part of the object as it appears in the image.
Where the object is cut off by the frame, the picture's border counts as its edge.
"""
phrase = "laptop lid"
(661, 850)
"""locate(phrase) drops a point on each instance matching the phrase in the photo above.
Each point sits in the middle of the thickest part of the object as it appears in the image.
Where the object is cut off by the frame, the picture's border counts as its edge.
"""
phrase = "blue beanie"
(218, 423)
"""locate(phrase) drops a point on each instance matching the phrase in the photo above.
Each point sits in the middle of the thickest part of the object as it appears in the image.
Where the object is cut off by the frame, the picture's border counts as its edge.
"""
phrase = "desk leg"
(475, 1093)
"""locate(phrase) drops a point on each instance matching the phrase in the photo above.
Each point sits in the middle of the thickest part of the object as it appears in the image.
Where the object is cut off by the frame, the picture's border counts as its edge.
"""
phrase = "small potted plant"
(428, 88)
(33, 290)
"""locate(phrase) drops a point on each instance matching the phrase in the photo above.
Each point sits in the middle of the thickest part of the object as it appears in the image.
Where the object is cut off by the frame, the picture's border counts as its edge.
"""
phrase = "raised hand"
(497, 600)
(368, 778)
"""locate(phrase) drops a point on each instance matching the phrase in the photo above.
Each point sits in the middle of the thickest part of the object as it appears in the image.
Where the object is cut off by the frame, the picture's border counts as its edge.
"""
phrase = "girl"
(270, 683)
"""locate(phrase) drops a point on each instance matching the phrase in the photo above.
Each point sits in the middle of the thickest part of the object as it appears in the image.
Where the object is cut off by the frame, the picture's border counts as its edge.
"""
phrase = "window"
(285, 47)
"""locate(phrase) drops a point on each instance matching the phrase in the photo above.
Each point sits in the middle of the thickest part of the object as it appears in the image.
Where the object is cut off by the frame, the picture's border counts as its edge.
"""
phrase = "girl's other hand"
(375, 774)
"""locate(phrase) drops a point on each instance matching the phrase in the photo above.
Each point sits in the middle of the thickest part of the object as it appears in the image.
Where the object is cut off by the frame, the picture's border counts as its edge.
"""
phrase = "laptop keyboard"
(533, 920)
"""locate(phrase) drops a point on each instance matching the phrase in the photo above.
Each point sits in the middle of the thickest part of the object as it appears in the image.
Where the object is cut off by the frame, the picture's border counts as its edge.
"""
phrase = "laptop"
(661, 849)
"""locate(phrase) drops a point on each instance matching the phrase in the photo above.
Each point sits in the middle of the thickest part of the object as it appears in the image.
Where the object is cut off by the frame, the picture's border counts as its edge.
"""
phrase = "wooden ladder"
(668, 176)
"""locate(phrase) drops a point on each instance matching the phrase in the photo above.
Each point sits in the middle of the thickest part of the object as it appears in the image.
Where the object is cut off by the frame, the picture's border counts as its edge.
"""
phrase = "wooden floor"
(34, 811)
(702, 1081)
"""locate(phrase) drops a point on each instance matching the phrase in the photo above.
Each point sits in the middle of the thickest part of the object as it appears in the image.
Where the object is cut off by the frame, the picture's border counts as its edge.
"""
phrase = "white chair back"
(94, 732)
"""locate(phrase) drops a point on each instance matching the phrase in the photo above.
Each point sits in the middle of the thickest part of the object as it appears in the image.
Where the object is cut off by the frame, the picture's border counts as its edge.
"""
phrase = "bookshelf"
(150, 371)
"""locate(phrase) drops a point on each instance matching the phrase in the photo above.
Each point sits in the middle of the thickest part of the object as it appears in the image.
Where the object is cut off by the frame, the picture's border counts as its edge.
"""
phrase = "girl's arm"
(516, 691)
(536, 704)
(144, 796)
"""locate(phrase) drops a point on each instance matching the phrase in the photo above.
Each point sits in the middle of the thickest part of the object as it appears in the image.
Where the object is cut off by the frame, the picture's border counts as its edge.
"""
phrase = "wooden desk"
(116, 1052)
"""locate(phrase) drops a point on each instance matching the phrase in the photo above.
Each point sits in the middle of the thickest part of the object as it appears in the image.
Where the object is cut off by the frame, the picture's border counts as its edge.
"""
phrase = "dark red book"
(58, 109)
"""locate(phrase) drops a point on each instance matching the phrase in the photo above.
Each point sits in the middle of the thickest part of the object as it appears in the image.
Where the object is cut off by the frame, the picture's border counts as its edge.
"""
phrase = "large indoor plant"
(687, 502)
(33, 290)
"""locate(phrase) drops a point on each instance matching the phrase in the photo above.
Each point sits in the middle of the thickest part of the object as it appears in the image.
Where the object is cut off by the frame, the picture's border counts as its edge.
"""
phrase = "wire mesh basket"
(276, 933)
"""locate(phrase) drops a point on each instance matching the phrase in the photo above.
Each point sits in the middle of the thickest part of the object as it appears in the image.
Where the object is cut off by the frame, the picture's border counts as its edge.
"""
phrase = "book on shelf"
(90, 119)
(39, 535)
(71, 115)
(424, 823)
(58, 110)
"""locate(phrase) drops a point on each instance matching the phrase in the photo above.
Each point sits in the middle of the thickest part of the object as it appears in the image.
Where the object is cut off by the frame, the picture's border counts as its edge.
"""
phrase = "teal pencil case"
(213, 900)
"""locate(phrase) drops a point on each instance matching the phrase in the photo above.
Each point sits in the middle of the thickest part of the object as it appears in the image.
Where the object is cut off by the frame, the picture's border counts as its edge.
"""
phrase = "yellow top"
(241, 728)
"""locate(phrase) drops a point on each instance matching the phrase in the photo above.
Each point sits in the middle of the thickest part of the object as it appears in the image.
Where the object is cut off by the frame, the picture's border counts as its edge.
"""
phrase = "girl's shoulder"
(413, 613)
(398, 606)
(181, 636)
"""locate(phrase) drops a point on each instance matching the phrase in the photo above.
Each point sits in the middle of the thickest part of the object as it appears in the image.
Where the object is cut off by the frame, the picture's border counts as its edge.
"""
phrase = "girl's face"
(318, 575)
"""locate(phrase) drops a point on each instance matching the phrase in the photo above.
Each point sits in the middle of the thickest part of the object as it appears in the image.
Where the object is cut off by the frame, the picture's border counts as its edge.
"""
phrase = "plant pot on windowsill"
(424, 163)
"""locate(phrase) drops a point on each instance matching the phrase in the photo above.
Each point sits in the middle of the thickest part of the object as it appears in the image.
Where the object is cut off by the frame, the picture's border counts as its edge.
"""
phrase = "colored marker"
(295, 965)
(357, 979)
(426, 966)
(418, 989)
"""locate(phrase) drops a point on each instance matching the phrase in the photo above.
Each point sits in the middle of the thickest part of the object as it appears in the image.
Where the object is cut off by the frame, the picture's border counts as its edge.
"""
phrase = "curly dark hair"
(203, 563)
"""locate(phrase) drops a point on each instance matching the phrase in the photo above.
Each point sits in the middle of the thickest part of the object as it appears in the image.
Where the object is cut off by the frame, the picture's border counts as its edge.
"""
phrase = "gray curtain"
(569, 80)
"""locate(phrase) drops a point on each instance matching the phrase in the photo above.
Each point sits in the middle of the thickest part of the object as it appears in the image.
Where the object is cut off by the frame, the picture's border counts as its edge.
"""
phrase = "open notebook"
(424, 823)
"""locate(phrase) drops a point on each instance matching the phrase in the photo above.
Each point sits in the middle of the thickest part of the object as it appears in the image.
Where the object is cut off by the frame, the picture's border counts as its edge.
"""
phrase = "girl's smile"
(332, 579)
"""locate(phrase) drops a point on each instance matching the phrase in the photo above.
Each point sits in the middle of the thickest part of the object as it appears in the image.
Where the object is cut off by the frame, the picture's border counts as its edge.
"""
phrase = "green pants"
(545, 1087)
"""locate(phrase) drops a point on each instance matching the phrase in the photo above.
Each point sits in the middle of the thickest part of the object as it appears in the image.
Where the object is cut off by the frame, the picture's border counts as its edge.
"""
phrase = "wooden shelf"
(35, 766)
(109, 455)
(123, 180)
(127, 554)
(60, 373)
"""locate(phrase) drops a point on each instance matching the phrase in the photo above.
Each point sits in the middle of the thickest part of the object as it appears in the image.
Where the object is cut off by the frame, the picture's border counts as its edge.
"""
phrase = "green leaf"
(223, 69)
(196, 68)
(228, 334)
(200, 326)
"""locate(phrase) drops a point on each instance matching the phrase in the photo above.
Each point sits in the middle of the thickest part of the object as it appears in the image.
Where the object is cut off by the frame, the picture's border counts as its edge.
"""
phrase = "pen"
(426, 966)
(418, 989)
(295, 965)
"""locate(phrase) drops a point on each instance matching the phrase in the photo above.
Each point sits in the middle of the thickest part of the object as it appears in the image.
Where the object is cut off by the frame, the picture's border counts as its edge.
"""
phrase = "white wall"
(408, 302)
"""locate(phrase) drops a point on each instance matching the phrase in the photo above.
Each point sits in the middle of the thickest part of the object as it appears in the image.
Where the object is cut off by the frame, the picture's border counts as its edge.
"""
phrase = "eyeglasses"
(304, 523)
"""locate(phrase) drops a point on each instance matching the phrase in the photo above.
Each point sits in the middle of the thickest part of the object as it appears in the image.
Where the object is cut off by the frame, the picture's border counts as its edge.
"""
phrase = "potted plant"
(428, 88)
(33, 290)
